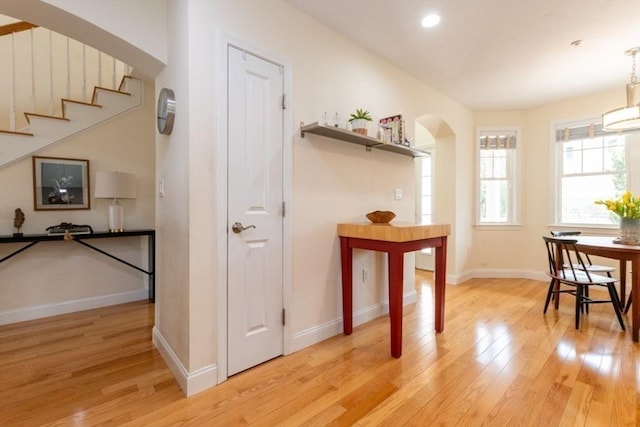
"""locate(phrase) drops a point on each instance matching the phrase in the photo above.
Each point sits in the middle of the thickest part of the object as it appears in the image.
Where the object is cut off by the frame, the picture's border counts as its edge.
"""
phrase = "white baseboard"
(47, 310)
(327, 330)
(496, 274)
(190, 382)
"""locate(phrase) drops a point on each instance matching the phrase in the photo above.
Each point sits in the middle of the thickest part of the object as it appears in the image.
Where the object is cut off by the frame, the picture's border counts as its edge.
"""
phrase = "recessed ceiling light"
(430, 20)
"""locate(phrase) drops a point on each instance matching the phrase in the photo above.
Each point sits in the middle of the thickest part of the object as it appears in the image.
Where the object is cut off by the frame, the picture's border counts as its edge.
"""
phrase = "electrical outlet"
(365, 275)
(397, 194)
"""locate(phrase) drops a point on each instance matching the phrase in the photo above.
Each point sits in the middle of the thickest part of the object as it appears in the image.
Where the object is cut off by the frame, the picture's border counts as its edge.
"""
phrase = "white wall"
(141, 22)
(173, 211)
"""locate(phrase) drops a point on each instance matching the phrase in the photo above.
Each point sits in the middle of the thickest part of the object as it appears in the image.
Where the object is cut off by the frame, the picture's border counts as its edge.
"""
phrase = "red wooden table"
(395, 240)
(604, 247)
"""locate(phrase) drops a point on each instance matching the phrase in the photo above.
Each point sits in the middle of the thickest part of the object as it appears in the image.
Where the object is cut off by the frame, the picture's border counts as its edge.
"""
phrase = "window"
(425, 216)
(425, 187)
(497, 188)
(592, 164)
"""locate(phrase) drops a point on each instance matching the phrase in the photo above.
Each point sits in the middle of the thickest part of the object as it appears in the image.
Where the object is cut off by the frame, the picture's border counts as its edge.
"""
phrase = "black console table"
(32, 239)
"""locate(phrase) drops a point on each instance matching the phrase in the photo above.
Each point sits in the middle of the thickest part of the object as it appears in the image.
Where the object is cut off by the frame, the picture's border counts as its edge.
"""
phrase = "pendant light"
(628, 117)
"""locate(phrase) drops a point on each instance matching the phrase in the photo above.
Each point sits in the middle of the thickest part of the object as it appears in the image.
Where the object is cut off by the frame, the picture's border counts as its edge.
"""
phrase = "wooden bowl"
(380, 217)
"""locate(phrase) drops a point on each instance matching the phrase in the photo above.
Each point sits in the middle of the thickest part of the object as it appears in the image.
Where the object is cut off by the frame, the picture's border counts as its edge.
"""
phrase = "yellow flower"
(626, 206)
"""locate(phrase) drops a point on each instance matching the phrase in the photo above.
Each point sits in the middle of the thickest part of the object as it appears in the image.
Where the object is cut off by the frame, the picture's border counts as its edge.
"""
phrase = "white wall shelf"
(357, 138)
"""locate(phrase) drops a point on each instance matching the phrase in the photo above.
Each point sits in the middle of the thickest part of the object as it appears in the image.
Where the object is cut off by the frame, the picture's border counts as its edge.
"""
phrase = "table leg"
(441, 273)
(623, 281)
(635, 298)
(396, 284)
(151, 243)
(556, 287)
(346, 260)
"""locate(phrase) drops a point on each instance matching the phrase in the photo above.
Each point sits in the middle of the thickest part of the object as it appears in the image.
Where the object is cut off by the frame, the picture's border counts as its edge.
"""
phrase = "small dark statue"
(18, 220)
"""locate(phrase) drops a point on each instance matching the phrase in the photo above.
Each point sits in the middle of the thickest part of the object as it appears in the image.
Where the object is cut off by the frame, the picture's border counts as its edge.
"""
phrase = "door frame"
(221, 222)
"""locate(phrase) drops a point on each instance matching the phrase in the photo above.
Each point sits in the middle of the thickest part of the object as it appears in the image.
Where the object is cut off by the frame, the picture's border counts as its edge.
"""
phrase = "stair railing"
(46, 67)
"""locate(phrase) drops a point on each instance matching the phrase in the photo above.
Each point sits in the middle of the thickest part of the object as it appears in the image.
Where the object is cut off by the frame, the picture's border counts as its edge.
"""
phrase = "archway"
(435, 177)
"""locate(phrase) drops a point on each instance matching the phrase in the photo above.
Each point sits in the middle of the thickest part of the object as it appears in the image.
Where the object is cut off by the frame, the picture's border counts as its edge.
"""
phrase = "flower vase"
(630, 231)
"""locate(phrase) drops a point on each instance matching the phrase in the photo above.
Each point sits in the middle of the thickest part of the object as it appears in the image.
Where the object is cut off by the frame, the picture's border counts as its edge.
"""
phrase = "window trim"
(554, 215)
(515, 180)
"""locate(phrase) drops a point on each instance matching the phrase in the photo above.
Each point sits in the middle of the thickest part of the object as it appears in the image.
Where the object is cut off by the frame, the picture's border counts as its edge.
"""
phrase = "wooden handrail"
(16, 27)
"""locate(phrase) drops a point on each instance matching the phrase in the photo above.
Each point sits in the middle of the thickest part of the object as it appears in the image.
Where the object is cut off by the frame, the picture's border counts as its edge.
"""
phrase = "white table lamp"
(115, 185)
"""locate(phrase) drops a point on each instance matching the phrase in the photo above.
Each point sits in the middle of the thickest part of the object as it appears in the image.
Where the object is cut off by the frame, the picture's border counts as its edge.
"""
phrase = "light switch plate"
(397, 194)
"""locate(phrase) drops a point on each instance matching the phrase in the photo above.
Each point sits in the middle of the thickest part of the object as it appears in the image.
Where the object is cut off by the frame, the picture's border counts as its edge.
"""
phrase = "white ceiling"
(496, 54)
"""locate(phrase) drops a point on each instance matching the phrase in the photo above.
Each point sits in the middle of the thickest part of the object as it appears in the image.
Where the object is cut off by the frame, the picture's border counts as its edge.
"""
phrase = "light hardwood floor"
(499, 362)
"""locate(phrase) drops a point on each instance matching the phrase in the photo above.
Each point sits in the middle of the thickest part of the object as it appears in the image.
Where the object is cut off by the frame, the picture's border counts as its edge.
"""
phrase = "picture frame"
(392, 130)
(60, 184)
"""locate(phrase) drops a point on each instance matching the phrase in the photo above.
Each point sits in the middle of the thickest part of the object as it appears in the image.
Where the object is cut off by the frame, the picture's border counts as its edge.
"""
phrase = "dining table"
(607, 247)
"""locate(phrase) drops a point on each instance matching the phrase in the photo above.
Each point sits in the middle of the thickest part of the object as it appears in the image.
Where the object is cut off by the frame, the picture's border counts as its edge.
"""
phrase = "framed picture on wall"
(60, 184)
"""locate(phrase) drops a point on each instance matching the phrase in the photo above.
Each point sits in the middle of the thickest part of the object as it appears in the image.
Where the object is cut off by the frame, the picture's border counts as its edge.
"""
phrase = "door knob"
(237, 227)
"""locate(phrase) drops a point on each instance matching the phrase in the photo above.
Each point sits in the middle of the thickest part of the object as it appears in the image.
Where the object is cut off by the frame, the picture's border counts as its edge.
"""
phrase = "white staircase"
(49, 78)
(77, 116)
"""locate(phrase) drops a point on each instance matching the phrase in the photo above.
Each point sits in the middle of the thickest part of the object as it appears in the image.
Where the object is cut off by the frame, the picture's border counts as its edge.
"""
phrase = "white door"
(255, 200)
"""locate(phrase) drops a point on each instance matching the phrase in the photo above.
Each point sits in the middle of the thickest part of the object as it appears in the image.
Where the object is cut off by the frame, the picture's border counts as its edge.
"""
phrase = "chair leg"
(549, 293)
(556, 296)
(578, 305)
(586, 295)
(616, 303)
(628, 306)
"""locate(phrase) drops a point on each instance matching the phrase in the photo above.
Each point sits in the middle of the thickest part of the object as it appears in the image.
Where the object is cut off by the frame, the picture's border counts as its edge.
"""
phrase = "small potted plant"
(359, 121)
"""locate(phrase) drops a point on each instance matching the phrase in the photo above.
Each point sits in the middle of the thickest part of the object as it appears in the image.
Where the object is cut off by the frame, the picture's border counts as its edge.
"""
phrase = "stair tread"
(45, 116)
(89, 104)
(105, 89)
(75, 118)
(13, 132)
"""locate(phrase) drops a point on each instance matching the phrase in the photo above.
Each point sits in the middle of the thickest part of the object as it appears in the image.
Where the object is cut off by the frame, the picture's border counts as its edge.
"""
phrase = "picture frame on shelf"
(60, 184)
(392, 130)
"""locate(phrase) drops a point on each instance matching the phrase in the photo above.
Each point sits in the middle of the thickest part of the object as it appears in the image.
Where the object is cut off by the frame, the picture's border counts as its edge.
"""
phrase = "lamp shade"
(625, 118)
(115, 185)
